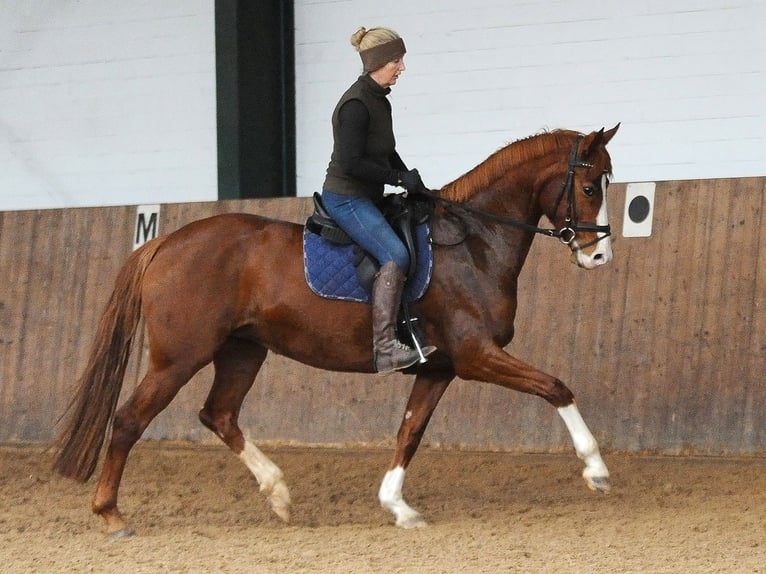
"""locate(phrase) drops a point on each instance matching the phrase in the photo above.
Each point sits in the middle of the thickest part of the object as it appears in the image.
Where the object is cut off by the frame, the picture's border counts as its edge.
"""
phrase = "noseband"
(567, 233)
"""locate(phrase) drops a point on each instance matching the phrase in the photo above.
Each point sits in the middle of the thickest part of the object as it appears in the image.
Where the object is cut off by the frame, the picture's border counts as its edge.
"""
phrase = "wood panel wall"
(664, 349)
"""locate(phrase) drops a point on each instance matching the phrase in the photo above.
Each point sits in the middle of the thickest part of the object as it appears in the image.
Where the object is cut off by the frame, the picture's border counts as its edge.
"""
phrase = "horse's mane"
(491, 169)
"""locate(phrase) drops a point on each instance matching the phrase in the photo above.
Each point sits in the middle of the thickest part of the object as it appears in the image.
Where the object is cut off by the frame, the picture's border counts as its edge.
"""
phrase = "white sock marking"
(585, 445)
(269, 477)
(390, 496)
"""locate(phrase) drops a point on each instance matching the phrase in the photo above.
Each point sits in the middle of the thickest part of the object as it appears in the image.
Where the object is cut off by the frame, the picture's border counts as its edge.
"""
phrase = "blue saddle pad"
(330, 270)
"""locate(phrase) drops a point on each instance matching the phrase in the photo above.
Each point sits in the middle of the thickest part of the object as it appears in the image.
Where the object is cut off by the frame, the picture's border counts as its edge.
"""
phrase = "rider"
(363, 160)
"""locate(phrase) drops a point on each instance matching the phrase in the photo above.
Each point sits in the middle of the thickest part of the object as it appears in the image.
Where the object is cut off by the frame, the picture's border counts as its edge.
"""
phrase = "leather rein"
(567, 233)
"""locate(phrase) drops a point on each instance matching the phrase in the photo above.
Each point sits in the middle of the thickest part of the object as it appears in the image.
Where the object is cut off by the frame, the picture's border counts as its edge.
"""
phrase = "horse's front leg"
(493, 365)
(596, 474)
(426, 392)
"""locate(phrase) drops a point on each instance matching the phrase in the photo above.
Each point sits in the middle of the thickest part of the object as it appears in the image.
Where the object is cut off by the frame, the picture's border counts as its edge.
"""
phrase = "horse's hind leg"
(155, 392)
(426, 392)
(236, 365)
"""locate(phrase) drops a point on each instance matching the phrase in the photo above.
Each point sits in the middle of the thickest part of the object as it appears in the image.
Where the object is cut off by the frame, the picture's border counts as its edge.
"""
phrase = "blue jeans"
(360, 218)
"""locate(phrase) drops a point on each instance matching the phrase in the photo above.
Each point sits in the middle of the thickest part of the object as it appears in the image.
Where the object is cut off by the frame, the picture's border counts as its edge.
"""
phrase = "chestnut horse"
(231, 288)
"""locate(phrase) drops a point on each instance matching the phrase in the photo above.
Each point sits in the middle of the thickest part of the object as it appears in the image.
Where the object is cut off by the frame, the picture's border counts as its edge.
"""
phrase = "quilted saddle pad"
(330, 270)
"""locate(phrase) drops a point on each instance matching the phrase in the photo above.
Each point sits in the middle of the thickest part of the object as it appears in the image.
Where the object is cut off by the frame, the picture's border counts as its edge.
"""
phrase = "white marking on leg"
(270, 479)
(586, 447)
(390, 496)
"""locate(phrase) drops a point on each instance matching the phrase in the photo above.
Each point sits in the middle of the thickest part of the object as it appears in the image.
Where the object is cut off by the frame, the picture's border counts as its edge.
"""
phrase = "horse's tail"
(92, 408)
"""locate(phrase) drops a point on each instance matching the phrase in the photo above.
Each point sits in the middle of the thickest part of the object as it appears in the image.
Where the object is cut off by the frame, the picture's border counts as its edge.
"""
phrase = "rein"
(567, 233)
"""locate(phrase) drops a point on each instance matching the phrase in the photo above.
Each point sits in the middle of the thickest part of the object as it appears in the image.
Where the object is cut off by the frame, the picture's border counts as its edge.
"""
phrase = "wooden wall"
(664, 349)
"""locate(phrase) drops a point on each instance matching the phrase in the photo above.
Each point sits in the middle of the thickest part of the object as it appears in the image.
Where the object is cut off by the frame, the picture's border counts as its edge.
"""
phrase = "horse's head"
(569, 191)
(577, 207)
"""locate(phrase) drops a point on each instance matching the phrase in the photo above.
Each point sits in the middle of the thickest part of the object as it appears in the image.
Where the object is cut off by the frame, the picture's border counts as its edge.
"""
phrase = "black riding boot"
(390, 353)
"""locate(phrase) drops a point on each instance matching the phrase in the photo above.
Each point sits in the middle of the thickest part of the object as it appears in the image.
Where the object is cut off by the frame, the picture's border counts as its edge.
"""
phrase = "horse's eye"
(589, 190)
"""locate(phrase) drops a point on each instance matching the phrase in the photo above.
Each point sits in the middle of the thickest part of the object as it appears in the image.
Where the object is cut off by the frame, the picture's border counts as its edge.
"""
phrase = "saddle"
(338, 268)
(403, 214)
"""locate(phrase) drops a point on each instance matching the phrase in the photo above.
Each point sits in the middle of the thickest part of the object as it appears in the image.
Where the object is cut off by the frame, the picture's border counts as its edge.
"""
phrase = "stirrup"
(415, 356)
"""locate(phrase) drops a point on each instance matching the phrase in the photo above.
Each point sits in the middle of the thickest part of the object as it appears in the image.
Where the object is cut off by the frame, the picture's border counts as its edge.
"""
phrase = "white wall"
(685, 77)
(113, 102)
(106, 102)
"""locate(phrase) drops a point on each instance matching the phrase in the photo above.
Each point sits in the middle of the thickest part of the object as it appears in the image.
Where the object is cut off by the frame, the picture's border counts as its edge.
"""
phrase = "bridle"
(567, 233)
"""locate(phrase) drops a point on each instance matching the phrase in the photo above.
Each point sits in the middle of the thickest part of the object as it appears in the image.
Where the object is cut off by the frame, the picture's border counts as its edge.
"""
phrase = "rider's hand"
(411, 181)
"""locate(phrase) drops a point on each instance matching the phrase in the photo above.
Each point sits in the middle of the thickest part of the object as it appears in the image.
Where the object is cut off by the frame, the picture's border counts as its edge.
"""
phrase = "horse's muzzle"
(601, 254)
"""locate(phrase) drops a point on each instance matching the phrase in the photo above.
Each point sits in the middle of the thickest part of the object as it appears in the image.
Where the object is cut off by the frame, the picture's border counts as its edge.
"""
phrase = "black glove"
(411, 181)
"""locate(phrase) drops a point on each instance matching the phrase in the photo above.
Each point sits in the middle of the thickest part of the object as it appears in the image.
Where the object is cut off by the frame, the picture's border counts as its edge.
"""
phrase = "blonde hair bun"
(364, 39)
(356, 37)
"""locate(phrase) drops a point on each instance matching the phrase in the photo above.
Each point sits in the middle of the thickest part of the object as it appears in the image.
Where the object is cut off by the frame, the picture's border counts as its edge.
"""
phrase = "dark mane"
(481, 176)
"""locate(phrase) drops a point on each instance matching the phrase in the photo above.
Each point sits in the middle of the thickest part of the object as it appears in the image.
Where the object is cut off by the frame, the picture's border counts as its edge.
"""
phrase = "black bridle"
(567, 233)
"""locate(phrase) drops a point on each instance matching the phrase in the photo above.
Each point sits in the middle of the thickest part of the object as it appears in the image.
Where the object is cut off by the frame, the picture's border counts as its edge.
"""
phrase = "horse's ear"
(596, 139)
(610, 134)
(591, 142)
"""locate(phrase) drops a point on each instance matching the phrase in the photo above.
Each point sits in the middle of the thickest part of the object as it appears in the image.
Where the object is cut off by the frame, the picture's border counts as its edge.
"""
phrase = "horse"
(230, 288)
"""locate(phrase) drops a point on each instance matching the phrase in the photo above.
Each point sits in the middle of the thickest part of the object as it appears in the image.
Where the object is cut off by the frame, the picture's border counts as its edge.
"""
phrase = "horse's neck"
(510, 185)
(512, 193)
(516, 194)
(514, 177)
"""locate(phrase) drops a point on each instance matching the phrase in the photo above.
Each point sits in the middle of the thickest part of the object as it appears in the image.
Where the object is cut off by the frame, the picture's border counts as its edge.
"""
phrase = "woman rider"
(363, 160)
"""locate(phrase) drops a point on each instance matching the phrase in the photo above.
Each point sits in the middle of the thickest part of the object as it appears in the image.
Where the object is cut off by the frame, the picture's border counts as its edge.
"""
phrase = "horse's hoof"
(279, 497)
(123, 533)
(599, 484)
(282, 511)
(415, 521)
